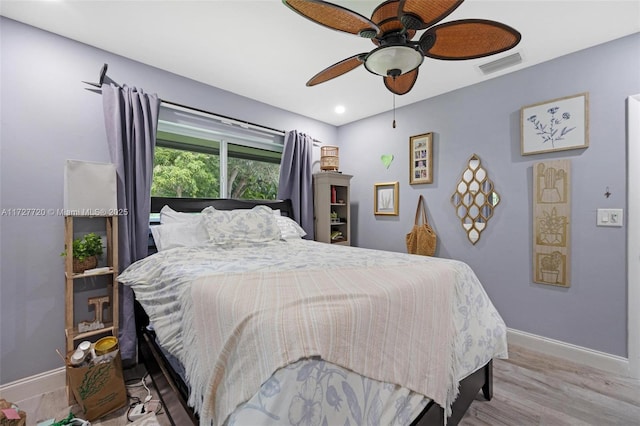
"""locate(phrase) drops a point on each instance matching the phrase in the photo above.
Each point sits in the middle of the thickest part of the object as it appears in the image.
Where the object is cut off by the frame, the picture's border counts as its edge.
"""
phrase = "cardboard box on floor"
(98, 389)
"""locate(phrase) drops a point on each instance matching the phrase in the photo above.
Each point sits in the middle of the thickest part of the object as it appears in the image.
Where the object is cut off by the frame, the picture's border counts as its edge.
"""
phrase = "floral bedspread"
(311, 391)
(315, 392)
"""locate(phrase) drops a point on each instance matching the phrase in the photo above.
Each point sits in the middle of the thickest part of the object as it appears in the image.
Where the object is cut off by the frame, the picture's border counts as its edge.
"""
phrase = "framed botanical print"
(421, 159)
(385, 198)
(555, 125)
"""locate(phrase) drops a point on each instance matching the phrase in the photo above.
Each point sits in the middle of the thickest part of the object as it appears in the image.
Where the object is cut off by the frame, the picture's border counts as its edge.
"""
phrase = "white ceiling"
(264, 51)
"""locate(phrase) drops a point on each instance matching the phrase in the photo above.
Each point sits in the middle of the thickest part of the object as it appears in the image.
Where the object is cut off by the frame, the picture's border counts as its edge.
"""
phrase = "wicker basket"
(79, 266)
(22, 421)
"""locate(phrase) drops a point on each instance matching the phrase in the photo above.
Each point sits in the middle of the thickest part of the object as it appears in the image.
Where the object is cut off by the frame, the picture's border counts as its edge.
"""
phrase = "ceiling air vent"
(500, 64)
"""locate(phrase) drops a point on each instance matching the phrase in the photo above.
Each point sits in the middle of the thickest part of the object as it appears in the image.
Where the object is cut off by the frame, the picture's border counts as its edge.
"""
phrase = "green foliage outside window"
(178, 173)
(251, 179)
(181, 173)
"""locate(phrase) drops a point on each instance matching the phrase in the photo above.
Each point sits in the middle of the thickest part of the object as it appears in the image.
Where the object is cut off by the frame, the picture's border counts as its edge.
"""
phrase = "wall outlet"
(610, 217)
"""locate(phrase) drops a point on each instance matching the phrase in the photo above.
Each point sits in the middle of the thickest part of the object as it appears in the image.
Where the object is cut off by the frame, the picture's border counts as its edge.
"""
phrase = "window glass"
(201, 157)
(252, 176)
(184, 173)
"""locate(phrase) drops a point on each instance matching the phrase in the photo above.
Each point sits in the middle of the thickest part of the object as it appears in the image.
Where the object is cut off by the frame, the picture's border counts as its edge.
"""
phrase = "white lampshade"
(90, 189)
(393, 57)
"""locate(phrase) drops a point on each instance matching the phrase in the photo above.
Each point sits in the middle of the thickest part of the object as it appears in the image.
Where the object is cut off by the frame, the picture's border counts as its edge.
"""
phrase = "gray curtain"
(296, 178)
(131, 120)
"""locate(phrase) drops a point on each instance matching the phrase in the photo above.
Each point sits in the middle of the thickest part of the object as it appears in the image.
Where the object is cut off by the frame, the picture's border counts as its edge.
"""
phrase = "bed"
(290, 331)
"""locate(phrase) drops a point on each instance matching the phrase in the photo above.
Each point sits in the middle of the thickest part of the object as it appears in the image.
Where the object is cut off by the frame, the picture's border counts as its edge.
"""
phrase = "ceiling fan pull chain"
(394, 110)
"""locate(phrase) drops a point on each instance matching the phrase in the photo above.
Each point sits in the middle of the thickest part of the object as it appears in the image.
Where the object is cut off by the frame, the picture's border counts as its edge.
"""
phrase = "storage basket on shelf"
(329, 159)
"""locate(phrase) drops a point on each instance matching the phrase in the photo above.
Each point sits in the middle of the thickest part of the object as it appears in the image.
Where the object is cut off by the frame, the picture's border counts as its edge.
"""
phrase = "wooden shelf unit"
(73, 336)
(323, 205)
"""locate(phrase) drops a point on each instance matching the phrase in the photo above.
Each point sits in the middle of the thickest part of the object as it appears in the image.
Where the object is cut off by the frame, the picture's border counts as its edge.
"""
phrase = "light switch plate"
(610, 217)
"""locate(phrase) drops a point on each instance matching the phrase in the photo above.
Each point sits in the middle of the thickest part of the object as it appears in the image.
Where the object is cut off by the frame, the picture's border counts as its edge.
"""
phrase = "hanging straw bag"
(422, 239)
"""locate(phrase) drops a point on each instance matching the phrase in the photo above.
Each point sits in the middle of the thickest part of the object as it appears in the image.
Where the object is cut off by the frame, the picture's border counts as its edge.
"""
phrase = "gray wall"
(485, 119)
(48, 117)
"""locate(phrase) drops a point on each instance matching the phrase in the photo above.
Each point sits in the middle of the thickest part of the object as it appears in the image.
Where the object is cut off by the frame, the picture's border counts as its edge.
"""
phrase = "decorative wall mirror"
(474, 199)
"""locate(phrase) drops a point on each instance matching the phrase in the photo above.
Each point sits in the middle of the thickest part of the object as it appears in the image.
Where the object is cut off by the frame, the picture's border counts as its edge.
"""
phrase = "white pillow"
(289, 228)
(178, 230)
(173, 235)
(255, 225)
(168, 215)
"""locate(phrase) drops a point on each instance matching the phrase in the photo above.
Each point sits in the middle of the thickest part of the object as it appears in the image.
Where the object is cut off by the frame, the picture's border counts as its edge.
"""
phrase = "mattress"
(310, 388)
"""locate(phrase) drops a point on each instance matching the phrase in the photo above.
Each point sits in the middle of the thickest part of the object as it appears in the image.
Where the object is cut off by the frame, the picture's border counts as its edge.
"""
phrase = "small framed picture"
(555, 125)
(421, 159)
(385, 198)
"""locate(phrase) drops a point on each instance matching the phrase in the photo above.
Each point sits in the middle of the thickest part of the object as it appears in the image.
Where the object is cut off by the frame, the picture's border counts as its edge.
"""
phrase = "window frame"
(182, 122)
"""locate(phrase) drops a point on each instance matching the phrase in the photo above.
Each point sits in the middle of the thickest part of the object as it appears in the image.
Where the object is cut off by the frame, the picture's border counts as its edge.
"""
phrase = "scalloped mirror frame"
(474, 199)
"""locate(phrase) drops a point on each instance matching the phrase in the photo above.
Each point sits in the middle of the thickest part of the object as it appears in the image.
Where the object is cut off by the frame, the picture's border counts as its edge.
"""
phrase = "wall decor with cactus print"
(551, 222)
(555, 125)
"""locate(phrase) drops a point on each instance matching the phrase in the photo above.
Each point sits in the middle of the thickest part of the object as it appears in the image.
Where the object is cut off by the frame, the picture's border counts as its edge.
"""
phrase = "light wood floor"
(529, 389)
(534, 389)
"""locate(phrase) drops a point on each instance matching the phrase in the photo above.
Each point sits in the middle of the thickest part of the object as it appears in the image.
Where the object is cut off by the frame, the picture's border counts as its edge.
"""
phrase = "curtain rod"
(315, 142)
(103, 75)
(235, 120)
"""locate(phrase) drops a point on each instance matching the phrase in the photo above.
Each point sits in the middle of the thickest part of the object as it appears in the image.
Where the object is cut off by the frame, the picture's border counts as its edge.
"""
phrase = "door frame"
(633, 235)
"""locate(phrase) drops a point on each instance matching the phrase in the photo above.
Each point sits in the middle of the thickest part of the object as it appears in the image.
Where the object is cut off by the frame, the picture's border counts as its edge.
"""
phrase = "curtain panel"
(131, 121)
(296, 178)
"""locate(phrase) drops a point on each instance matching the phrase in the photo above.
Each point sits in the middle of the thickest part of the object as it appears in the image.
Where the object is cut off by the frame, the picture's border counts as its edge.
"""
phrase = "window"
(199, 155)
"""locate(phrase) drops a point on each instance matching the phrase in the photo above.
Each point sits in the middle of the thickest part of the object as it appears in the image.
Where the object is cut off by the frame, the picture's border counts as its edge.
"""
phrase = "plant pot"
(550, 276)
(79, 266)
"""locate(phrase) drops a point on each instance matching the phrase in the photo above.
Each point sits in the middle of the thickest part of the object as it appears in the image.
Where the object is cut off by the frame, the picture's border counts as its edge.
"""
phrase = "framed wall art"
(552, 223)
(385, 198)
(421, 159)
(555, 125)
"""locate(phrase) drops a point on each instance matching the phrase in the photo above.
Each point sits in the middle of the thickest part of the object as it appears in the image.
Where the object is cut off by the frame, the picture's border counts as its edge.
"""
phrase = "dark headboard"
(192, 205)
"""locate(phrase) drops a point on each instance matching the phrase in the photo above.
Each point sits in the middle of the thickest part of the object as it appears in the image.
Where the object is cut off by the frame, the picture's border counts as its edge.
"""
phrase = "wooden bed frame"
(173, 391)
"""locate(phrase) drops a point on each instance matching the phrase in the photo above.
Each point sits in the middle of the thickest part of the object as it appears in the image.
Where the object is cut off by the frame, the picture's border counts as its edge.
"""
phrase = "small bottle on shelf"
(334, 195)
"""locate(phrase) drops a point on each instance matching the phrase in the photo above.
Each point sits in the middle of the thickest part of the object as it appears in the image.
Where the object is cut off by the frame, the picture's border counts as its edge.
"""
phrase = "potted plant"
(551, 267)
(85, 252)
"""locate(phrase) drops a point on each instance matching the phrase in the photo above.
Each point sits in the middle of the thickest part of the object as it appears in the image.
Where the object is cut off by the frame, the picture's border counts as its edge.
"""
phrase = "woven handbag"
(422, 238)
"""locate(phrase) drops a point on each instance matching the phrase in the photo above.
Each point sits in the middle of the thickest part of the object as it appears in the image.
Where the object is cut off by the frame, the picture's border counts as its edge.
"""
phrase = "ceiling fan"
(393, 24)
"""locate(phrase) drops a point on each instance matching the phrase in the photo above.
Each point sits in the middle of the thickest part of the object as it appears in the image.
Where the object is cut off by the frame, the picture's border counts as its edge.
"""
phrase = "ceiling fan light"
(385, 59)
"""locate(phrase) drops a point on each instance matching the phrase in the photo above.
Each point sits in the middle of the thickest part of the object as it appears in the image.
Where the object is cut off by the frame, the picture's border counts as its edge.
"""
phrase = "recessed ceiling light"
(340, 109)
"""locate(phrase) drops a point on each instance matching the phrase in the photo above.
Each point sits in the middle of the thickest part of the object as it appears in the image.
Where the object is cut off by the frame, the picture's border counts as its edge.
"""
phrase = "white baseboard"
(578, 354)
(22, 389)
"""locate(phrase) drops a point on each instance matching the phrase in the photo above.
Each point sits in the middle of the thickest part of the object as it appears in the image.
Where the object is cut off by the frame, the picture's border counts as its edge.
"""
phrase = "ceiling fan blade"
(403, 83)
(337, 69)
(333, 16)
(468, 39)
(385, 16)
(421, 14)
